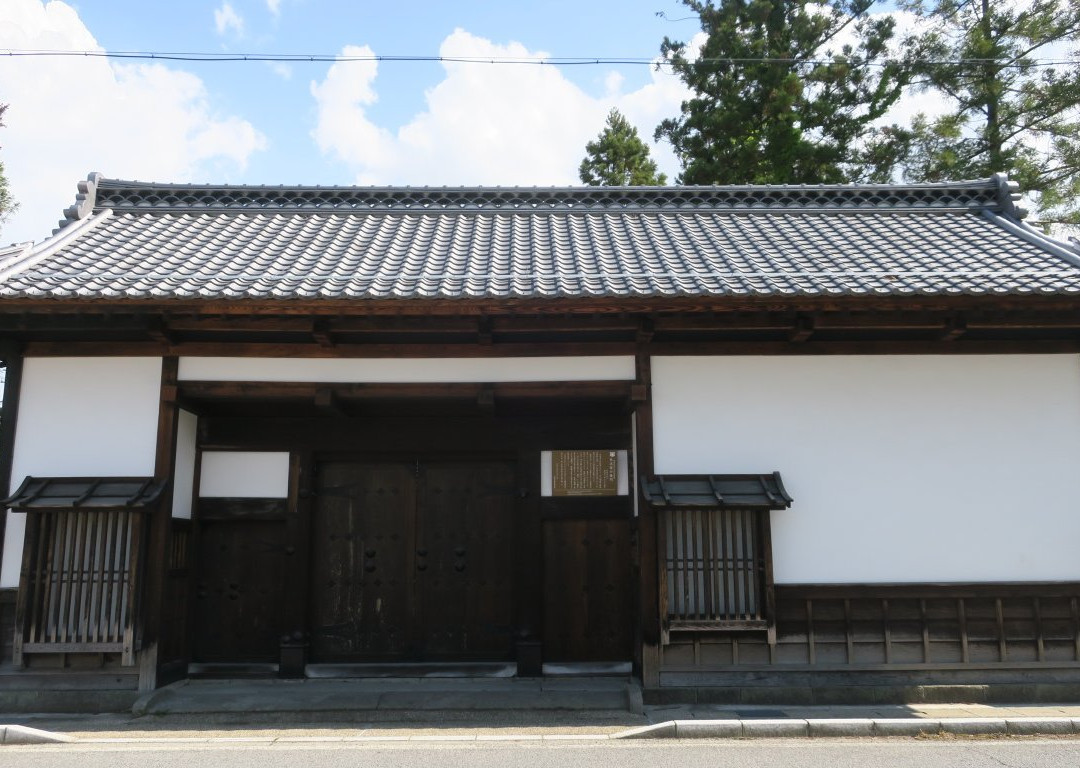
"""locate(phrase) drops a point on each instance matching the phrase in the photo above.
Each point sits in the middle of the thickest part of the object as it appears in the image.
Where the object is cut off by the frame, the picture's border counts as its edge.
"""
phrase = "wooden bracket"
(955, 327)
(158, 330)
(327, 403)
(320, 331)
(484, 334)
(646, 330)
(802, 330)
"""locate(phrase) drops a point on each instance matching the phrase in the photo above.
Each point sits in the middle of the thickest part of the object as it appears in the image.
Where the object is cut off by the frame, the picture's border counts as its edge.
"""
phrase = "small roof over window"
(716, 491)
(42, 494)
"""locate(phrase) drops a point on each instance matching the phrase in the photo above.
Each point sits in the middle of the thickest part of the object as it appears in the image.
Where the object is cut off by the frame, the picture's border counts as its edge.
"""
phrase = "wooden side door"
(588, 599)
(362, 561)
(242, 561)
(465, 560)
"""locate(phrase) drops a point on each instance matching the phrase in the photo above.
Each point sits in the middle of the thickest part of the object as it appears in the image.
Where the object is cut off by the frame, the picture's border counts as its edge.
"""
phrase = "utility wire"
(193, 56)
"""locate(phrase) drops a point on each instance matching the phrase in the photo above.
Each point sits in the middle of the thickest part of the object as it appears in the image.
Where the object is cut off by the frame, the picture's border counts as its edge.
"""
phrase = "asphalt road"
(876, 753)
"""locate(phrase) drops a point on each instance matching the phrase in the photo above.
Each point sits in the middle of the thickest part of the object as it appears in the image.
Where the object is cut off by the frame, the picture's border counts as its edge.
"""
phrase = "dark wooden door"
(362, 561)
(588, 599)
(464, 569)
(413, 560)
(241, 577)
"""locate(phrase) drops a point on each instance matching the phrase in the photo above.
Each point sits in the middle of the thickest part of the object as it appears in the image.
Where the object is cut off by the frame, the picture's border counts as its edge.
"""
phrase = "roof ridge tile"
(995, 193)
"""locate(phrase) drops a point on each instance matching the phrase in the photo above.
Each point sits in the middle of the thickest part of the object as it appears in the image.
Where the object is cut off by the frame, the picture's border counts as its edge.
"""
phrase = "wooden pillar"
(649, 588)
(159, 521)
(13, 362)
(299, 511)
(529, 561)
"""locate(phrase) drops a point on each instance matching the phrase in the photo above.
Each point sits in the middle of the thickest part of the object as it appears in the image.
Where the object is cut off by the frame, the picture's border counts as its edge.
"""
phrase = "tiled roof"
(127, 240)
(73, 493)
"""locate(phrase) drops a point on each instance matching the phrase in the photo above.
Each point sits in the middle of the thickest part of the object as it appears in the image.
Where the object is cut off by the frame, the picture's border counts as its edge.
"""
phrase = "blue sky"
(320, 122)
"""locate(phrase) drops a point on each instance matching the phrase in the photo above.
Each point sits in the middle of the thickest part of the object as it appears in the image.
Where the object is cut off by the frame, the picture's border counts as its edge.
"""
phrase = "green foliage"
(1006, 113)
(7, 202)
(785, 92)
(618, 157)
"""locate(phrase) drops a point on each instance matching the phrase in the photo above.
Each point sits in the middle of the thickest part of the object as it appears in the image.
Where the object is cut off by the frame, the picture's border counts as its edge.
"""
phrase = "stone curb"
(853, 727)
(21, 734)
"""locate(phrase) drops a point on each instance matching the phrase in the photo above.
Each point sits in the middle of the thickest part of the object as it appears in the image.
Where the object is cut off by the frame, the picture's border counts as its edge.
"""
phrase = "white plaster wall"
(903, 468)
(81, 416)
(244, 474)
(187, 425)
(407, 370)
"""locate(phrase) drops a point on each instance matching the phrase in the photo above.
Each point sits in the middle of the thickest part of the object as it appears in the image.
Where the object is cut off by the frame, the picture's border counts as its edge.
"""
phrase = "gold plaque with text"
(584, 473)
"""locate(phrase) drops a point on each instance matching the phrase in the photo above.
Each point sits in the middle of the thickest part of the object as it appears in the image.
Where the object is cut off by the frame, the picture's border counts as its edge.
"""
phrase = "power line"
(558, 61)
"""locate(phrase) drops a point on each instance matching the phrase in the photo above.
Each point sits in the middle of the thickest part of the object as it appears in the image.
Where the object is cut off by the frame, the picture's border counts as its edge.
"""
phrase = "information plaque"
(584, 473)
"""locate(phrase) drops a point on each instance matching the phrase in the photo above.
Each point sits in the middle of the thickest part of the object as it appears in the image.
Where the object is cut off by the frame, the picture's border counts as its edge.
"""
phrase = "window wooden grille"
(716, 568)
(78, 587)
(715, 550)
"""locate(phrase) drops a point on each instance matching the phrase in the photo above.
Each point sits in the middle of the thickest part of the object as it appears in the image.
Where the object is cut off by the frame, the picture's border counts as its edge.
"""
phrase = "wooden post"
(13, 361)
(158, 520)
(299, 510)
(649, 574)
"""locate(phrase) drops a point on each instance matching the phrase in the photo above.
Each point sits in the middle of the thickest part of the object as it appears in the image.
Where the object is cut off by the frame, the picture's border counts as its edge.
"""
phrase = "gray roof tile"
(134, 240)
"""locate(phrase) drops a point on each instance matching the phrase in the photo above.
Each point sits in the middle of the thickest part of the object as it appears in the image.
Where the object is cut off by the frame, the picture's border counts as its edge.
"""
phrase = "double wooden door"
(413, 561)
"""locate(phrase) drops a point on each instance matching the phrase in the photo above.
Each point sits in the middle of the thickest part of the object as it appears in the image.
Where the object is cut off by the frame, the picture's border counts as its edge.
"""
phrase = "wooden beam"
(286, 349)
(542, 306)
(874, 347)
(325, 395)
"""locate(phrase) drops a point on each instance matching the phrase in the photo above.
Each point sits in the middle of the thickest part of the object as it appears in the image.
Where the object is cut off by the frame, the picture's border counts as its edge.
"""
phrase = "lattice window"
(715, 549)
(81, 561)
(78, 582)
(714, 566)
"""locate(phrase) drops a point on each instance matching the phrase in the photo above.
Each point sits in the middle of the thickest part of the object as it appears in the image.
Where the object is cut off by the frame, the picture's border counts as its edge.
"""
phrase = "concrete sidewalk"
(522, 725)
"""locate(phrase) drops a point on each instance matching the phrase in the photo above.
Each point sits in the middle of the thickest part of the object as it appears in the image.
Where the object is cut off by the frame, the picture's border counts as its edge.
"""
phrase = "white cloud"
(274, 6)
(281, 69)
(226, 18)
(482, 124)
(69, 116)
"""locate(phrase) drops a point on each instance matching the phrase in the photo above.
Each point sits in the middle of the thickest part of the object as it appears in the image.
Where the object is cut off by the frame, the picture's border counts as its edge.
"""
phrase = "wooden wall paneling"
(1074, 604)
(867, 627)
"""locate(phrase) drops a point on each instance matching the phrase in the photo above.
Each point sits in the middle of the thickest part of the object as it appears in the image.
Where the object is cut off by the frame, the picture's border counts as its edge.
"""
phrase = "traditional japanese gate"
(413, 561)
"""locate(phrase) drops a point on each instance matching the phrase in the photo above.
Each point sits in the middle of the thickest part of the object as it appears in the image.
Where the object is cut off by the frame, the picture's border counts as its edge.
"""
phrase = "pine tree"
(7, 202)
(778, 98)
(1008, 110)
(618, 157)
